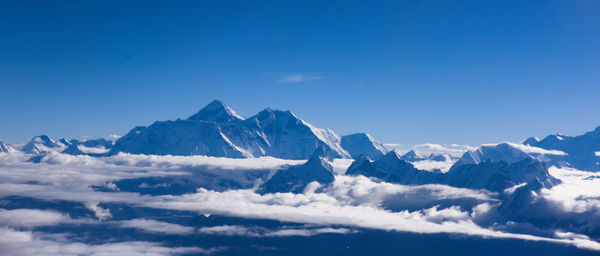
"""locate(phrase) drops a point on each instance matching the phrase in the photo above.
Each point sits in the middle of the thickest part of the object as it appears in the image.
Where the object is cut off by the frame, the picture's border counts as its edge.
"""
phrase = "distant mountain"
(295, 178)
(411, 156)
(42, 143)
(495, 168)
(93, 147)
(506, 152)
(499, 175)
(439, 157)
(217, 130)
(391, 168)
(583, 152)
(5, 148)
(362, 144)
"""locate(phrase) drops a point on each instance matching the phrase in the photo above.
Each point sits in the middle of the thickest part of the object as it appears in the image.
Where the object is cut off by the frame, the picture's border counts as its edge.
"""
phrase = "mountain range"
(582, 152)
(216, 130)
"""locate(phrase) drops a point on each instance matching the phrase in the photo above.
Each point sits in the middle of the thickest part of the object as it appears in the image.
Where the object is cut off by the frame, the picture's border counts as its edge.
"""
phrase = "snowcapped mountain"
(507, 152)
(411, 156)
(183, 137)
(391, 168)
(290, 137)
(217, 130)
(495, 168)
(43, 143)
(295, 178)
(362, 144)
(5, 148)
(582, 152)
(499, 175)
(216, 112)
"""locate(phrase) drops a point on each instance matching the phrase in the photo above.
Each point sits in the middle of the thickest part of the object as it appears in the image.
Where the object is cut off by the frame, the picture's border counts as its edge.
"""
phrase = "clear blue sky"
(408, 72)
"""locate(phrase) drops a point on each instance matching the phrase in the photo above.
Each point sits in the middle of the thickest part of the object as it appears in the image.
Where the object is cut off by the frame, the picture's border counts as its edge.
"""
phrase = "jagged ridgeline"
(217, 130)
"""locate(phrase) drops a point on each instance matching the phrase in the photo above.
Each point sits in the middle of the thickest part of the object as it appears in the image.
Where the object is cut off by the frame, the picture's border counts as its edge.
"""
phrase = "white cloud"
(320, 209)
(99, 212)
(533, 150)
(154, 226)
(31, 218)
(307, 232)
(349, 202)
(297, 78)
(13, 242)
(237, 230)
(430, 165)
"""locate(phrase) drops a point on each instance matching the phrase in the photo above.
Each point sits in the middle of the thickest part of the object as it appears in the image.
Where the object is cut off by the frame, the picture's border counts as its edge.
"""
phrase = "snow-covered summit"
(217, 131)
(581, 152)
(217, 112)
(506, 152)
(494, 168)
(411, 156)
(296, 178)
(5, 148)
(42, 143)
(362, 144)
(389, 167)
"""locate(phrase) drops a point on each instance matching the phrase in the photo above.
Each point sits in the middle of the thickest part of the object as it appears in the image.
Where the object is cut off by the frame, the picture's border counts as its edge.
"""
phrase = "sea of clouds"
(566, 214)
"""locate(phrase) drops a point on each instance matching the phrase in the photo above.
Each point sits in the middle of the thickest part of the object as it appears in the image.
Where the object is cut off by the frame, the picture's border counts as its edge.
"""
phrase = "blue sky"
(407, 72)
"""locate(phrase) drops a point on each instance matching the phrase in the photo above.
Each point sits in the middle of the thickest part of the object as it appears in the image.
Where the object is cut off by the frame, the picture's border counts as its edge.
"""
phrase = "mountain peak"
(43, 139)
(390, 156)
(358, 144)
(531, 141)
(506, 152)
(270, 114)
(410, 156)
(216, 112)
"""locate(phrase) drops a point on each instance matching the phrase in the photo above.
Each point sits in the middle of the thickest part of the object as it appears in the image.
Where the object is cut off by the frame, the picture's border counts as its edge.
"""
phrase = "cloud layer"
(345, 206)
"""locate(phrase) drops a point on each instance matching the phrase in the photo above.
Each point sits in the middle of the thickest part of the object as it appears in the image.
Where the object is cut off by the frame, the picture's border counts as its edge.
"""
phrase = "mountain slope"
(5, 148)
(217, 131)
(42, 143)
(290, 137)
(499, 175)
(217, 112)
(498, 152)
(493, 168)
(583, 152)
(391, 168)
(295, 178)
(362, 144)
(180, 137)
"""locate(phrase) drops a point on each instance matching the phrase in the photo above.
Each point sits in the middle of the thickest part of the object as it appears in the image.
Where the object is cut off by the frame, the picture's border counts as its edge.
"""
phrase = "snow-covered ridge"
(5, 148)
(217, 130)
(507, 152)
(580, 151)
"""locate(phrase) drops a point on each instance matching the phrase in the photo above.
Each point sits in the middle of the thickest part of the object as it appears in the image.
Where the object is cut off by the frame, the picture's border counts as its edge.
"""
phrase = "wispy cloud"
(297, 78)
